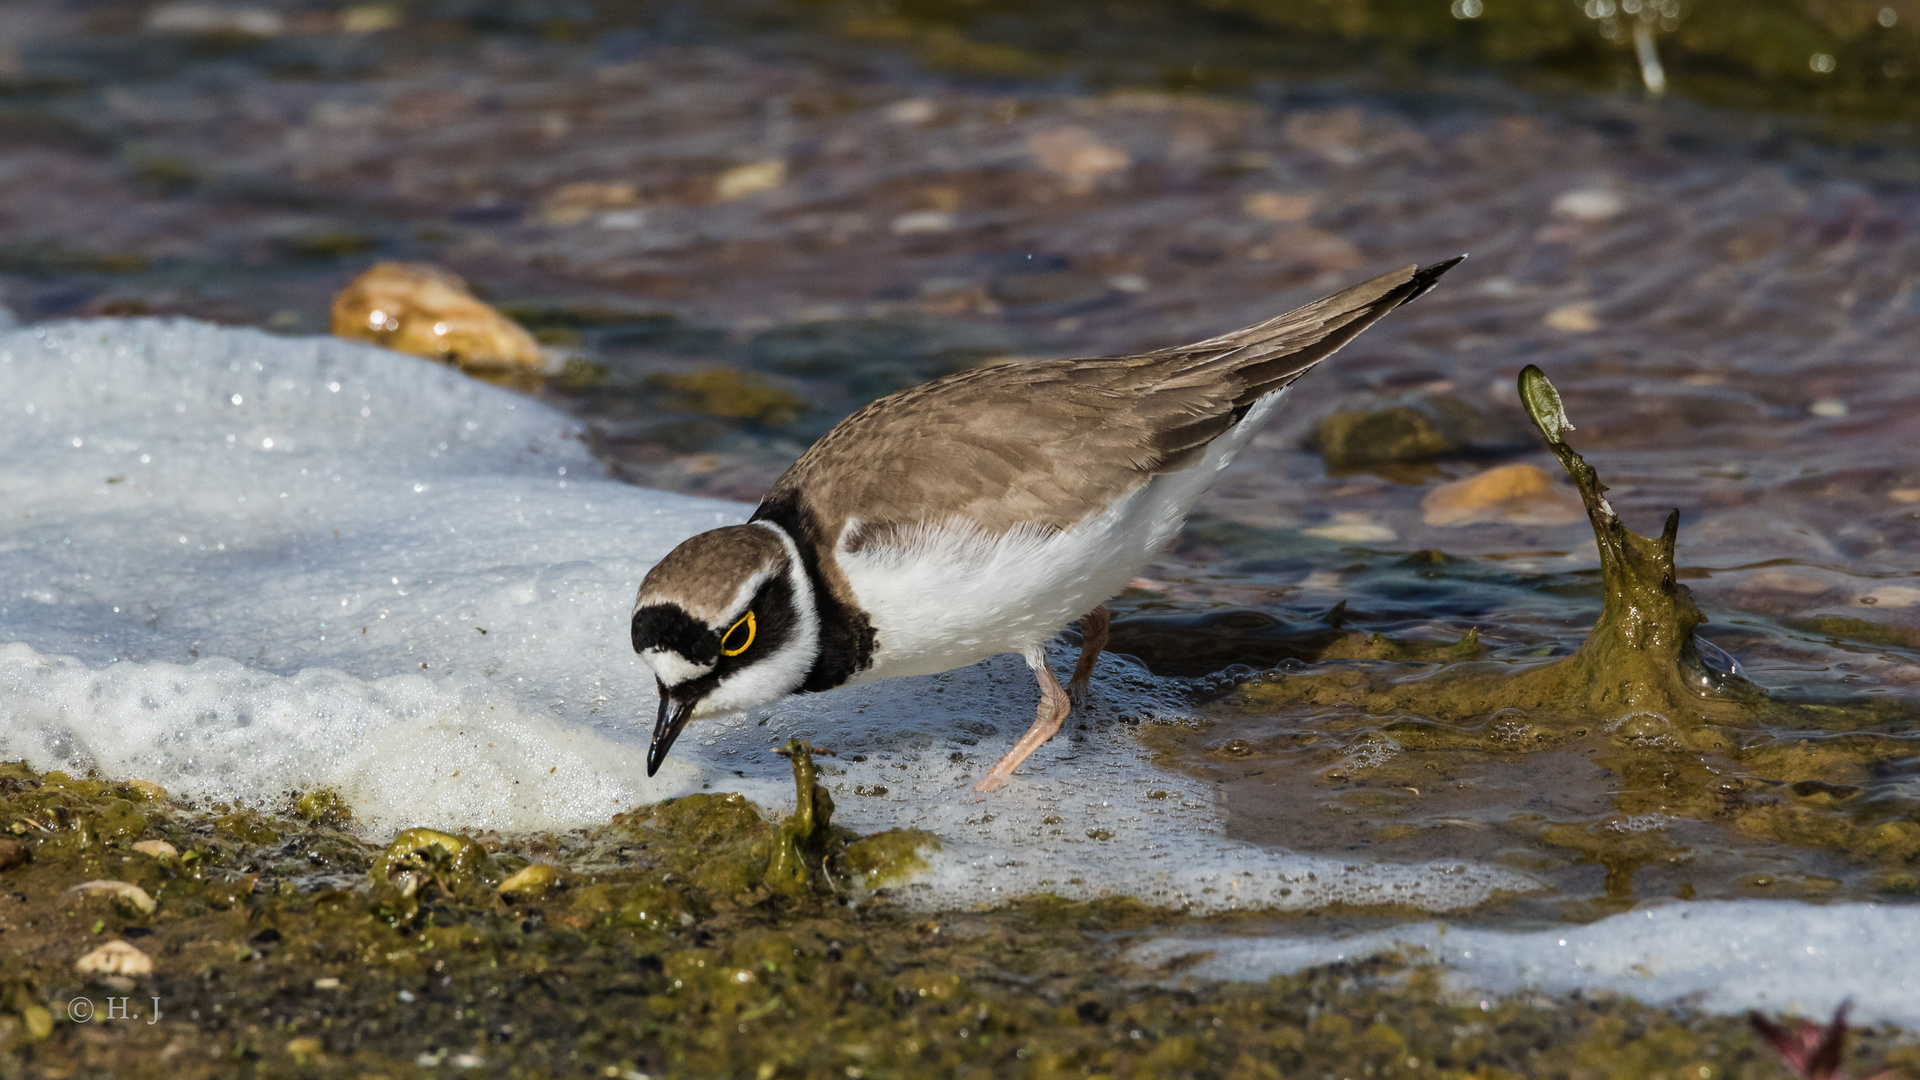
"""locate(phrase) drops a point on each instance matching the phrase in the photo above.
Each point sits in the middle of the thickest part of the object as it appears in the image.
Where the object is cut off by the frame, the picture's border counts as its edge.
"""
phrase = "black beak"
(666, 727)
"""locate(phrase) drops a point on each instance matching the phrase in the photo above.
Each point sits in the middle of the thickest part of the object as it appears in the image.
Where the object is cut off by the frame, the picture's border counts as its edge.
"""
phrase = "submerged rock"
(1414, 428)
(427, 311)
(1518, 494)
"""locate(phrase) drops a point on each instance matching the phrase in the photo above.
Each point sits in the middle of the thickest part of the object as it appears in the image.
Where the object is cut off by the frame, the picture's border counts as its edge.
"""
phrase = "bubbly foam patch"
(238, 564)
(1723, 956)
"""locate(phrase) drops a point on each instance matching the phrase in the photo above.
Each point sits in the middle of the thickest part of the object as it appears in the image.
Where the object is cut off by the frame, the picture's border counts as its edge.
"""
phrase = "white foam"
(238, 564)
(1723, 956)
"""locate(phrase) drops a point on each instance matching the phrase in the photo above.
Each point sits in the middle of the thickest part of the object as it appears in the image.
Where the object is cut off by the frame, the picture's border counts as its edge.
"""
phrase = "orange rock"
(422, 309)
(1509, 495)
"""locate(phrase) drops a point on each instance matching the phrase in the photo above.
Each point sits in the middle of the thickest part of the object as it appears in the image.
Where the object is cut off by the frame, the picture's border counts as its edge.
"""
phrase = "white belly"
(951, 596)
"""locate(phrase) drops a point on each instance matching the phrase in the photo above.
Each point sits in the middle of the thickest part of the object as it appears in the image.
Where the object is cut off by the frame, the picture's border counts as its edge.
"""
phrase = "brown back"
(1049, 443)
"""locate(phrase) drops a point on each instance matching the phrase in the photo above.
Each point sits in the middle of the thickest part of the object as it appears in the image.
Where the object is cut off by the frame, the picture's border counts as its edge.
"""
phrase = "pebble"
(1278, 206)
(1573, 318)
(159, 849)
(1518, 494)
(1075, 155)
(923, 221)
(1890, 596)
(124, 893)
(424, 310)
(570, 204)
(115, 958)
(1353, 528)
(744, 180)
(214, 19)
(1588, 204)
(531, 880)
(12, 853)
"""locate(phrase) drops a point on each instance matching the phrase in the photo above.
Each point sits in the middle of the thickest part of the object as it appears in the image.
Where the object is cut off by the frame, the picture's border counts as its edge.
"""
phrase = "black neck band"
(846, 634)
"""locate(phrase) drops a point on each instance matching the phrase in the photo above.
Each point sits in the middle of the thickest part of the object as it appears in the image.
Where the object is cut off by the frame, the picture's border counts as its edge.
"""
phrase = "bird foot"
(1079, 693)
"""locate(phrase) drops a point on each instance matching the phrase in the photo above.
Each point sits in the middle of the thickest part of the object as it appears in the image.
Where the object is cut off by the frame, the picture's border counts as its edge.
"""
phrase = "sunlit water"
(1730, 314)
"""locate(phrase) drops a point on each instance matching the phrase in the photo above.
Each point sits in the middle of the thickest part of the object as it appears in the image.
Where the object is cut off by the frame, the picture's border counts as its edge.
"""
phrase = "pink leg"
(1053, 711)
(1093, 638)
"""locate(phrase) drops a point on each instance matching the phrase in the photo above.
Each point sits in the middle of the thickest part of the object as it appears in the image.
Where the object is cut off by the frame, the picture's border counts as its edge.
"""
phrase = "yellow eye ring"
(752, 630)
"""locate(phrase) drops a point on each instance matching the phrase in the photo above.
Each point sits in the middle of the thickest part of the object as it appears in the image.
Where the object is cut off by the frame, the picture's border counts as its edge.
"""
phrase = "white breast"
(948, 595)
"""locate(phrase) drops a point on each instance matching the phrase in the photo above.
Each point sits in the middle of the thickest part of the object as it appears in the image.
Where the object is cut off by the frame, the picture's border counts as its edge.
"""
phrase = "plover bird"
(973, 515)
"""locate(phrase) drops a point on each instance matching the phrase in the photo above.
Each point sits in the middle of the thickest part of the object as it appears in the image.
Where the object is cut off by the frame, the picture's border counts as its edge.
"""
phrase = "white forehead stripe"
(672, 668)
(742, 599)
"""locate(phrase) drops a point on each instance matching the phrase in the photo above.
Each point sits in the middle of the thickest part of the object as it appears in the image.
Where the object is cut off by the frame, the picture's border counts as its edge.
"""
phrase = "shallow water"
(1726, 302)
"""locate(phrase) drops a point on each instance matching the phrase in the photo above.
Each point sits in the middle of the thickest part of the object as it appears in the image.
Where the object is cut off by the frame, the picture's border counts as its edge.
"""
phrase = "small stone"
(211, 20)
(151, 791)
(13, 853)
(1573, 318)
(923, 221)
(1352, 527)
(1518, 494)
(1905, 495)
(1588, 204)
(1279, 206)
(1077, 156)
(570, 204)
(159, 849)
(327, 983)
(744, 180)
(369, 18)
(531, 880)
(1400, 433)
(1890, 596)
(123, 893)
(115, 958)
(424, 310)
(304, 1047)
(1829, 408)
(1366, 430)
(911, 111)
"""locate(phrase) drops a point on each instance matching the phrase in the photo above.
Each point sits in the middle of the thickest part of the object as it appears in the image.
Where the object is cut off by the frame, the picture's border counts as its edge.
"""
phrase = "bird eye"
(739, 636)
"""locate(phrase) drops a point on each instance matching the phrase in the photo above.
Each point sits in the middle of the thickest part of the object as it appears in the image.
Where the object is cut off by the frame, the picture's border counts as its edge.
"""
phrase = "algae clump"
(1640, 657)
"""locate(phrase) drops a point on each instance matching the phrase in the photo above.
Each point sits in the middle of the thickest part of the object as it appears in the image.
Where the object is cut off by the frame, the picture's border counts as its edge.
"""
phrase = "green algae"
(1681, 772)
(323, 806)
(1755, 54)
(625, 962)
(728, 393)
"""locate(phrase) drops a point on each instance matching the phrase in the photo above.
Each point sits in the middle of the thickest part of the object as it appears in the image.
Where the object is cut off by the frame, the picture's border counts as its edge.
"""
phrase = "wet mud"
(691, 938)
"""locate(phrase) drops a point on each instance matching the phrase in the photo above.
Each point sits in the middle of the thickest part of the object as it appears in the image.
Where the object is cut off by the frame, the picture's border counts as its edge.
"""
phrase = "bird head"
(726, 621)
